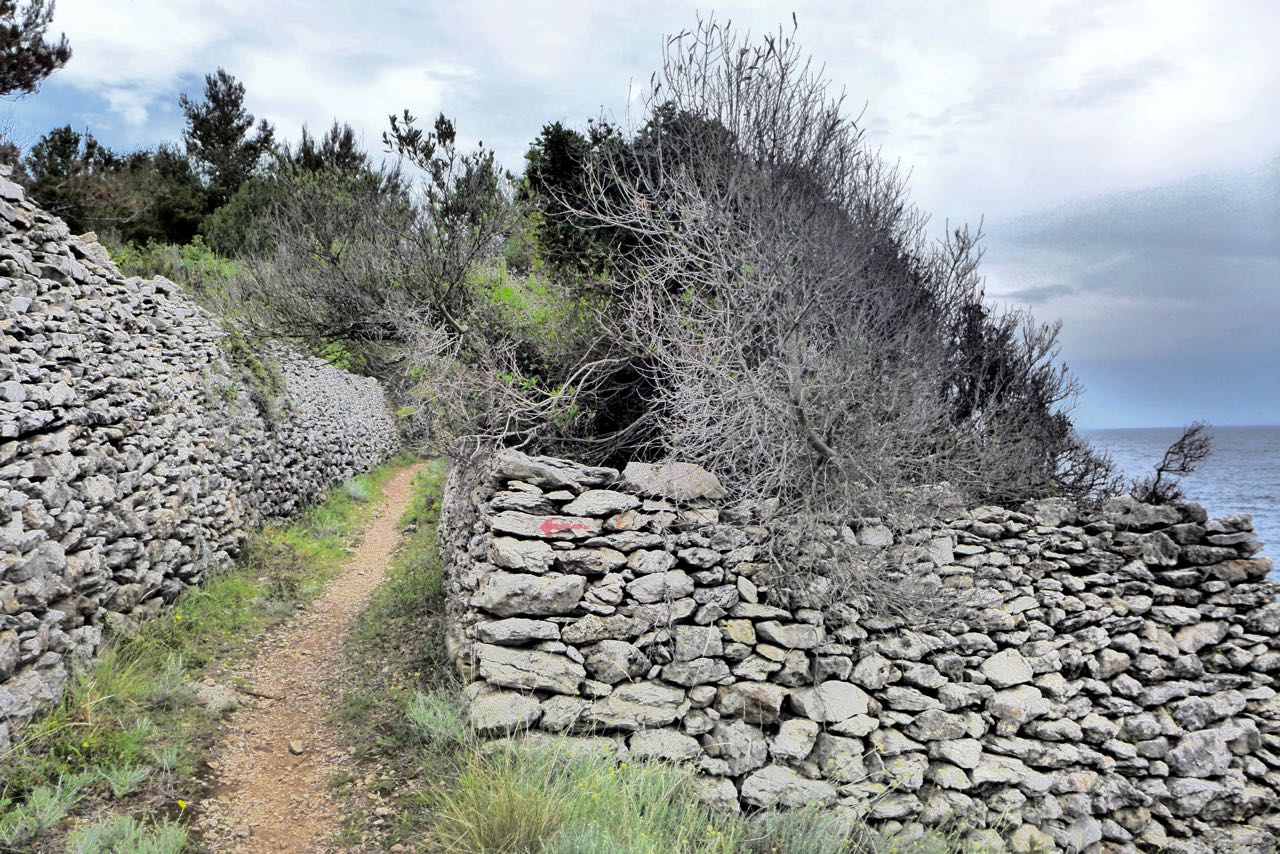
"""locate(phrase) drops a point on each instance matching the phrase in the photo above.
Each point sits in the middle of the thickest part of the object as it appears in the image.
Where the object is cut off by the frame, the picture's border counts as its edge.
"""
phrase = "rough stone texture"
(1107, 681)
(137, 450)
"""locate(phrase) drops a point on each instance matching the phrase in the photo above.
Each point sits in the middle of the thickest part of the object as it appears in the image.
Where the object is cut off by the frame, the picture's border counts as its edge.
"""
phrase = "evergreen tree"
(337, 149)
(174, 197)
(76, 177)
(221, 137)
(25, 57)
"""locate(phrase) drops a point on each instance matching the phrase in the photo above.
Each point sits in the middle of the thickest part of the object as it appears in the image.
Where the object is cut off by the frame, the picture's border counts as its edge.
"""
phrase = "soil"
(274, 769)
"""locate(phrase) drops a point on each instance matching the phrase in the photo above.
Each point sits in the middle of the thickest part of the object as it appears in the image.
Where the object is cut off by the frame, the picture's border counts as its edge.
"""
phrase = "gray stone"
(661, 586)
(872, 672)
(1200, 754)
(776, 786)
(591, 561)
(964, 752)
(1021, 704)
(791, 635)
(515, 631)
(697, 642)
(612, 661)
(839, 758)
(1192, 639)
(830, 702)
(510, 594)
(717, 793)
(1011, 771)
(935, 725)
(741, 746)
(503, 712)
(1006, 669)
(561, 713)
(674, 480)
(756, 702)
(528, 669)
(795, 739)
(666, 744)
(700, 671)
(545, 527)
(601, 502)
(638, 705)
(534, 556)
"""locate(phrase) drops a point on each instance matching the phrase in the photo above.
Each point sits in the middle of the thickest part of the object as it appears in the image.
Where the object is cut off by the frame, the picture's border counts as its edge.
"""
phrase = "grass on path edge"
(116, 765)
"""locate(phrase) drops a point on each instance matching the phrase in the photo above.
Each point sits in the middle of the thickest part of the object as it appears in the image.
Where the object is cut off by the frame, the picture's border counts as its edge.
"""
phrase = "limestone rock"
(795, 739)
(697, 642)
(503, 712)
(534, 556)
(528, 669)
(1021, 704)
(660, 586)
(667, 744)
(516, 631)
(509, 594)
(677, 481)
(1006, 669)
(830, 702)
(791, 635)
(759, 703)
(839, 758)
(601, 502)
(612, 661)
(545, 527)
(638, 705)
(778, 786)
(741, 746)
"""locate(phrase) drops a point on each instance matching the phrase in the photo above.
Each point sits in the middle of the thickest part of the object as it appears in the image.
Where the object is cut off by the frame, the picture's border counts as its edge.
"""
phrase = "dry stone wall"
(1108, 684)
(135, 454)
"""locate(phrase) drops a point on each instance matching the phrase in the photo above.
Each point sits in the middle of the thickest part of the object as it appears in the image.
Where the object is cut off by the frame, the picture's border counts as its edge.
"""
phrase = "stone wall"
(135, 452)
(1107, 684)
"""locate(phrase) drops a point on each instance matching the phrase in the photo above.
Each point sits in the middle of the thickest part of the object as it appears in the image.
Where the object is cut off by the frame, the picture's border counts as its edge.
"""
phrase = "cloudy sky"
(1124, 157)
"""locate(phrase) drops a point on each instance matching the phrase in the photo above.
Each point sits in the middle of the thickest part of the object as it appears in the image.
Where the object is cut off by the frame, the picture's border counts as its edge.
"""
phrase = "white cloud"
(998, 107)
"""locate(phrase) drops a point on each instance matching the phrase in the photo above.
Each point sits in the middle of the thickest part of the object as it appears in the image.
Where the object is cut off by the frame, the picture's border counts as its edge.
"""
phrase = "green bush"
(205, 275)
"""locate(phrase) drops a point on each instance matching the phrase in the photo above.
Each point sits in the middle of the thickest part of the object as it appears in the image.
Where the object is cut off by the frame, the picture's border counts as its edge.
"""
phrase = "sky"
(1123, 158)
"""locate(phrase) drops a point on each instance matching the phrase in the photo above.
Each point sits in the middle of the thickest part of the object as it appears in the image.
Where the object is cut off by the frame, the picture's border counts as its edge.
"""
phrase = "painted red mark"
(552, 525)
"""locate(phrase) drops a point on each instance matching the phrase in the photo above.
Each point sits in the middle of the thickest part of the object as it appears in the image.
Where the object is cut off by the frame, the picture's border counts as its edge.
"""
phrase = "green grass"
(203, 273)
(130, 733)
(123, 834)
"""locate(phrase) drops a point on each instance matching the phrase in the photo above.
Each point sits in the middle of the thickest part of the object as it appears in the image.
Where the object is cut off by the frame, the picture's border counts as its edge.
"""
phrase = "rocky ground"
(274, 770)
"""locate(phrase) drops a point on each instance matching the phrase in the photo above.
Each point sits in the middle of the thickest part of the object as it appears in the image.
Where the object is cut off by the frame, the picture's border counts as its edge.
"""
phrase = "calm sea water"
(1242, 475)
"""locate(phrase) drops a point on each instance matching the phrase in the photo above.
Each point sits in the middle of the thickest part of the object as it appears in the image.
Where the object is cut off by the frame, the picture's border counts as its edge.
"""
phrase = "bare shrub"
(804, 337)
(800, 333)
(1181, 458)
(365, 259)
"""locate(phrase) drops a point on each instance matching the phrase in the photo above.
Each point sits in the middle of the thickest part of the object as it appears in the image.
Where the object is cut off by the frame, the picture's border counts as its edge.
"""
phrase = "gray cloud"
(1038, 294)
(1169, 297)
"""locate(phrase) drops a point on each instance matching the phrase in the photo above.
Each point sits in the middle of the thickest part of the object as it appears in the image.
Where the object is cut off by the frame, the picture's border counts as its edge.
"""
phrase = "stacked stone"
(132, 459)
(1106, 682)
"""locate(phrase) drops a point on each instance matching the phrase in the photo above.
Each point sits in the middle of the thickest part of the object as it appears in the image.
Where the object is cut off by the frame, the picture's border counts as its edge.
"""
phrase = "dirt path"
(274, 767)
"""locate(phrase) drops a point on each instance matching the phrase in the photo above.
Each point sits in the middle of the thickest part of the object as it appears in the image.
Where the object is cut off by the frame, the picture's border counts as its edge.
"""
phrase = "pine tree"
(221, 138)
(25, 57)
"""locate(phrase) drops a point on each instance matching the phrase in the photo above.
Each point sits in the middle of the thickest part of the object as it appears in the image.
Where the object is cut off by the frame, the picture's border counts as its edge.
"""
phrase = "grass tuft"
(122, 834)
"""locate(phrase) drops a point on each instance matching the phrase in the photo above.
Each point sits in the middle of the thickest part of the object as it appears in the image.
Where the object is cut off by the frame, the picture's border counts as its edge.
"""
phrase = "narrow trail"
(273, 769)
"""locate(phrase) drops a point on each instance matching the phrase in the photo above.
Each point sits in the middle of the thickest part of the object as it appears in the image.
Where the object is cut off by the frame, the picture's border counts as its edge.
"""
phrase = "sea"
(1241, 476)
